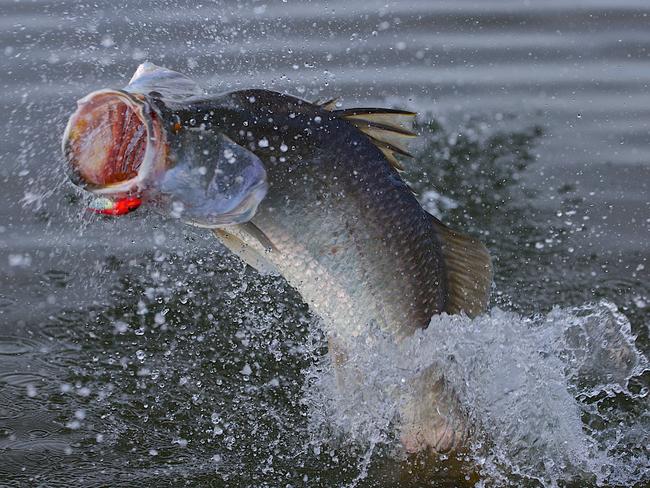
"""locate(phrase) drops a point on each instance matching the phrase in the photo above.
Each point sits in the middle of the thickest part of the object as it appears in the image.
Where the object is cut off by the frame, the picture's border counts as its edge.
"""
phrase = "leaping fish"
(305, 190)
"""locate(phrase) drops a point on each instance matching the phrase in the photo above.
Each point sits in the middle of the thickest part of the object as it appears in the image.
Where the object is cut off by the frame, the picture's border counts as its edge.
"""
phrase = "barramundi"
(305, 190)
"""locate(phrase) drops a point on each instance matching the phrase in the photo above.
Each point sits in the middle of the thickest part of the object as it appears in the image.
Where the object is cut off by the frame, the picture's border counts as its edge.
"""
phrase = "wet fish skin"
(347, 231)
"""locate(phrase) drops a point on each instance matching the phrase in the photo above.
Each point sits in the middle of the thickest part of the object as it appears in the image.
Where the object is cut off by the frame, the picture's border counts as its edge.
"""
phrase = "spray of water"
(537, 391)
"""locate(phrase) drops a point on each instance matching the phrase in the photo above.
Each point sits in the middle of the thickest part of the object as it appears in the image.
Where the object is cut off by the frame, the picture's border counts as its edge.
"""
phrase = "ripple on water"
(9, 407)
(38, 433)
(57, 277)
(61, 326)
(15, 346)
(5, 302)
(34, 441)
(18, 379)
(38, 455)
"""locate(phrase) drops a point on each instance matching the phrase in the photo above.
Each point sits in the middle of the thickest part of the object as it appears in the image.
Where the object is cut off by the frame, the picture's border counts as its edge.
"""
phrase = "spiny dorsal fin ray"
(400, 120)
(397, 122)
(469, 271)
(366, 112)
(389, 129)
(388, 154)
(383, 144)
(386, 129)
(328, 104)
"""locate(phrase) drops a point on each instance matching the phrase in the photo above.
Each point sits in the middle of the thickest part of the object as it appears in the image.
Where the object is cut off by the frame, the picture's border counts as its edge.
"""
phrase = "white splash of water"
(536, 391)
(437, 204)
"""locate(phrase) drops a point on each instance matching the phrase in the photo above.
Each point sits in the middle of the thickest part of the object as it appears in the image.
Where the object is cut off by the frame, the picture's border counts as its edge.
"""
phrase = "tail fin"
(469, 271)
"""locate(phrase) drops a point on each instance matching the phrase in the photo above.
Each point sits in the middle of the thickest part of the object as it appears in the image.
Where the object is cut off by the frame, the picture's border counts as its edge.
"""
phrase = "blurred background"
(136, 352)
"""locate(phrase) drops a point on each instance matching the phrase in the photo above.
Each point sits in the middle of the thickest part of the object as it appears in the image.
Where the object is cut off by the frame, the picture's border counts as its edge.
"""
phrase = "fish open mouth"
(112, 142)
(117, 148)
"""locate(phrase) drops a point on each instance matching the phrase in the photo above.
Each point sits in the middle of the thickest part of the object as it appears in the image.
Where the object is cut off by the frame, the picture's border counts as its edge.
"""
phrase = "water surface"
(135, 352)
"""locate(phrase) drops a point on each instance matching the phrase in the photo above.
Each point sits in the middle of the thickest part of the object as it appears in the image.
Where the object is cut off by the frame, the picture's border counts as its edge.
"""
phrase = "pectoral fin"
(246, 252)
(256, 233)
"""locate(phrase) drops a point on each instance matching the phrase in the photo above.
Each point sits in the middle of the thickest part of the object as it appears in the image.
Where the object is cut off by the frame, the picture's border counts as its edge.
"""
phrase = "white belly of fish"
(329, 285)
(431, 416)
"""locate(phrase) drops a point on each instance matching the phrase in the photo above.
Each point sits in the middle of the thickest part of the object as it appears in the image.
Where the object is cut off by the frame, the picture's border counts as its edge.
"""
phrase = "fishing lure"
(109, 206)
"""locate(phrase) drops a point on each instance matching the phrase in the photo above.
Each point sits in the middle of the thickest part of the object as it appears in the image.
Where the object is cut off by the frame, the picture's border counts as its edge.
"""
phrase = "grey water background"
(135, 352)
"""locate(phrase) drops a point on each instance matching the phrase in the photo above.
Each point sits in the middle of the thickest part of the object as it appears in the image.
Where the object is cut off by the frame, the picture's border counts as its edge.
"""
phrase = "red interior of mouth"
(130, 141)
(107, 141)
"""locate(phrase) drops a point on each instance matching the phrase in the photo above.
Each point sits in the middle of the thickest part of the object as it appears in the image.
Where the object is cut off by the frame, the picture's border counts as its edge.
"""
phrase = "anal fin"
(469, 271)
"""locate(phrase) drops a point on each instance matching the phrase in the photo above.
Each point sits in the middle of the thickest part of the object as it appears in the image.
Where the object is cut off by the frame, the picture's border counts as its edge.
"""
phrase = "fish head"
(120, 147)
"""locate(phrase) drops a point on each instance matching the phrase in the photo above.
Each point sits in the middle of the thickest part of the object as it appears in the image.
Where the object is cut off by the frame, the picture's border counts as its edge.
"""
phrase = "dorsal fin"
(383, 143)
(469, 271)
(386, 129)
(171, 85)
(329, 105)
(392, 160)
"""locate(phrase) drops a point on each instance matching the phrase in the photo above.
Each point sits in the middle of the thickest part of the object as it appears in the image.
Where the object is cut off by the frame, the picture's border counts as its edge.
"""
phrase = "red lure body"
(120, 207)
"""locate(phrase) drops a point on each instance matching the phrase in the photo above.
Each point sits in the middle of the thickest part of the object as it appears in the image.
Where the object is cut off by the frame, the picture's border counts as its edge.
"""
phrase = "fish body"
(345, 229)
(312, 193)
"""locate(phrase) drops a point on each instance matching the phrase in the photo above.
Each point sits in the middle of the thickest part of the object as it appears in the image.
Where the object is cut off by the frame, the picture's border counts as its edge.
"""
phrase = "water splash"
(536, 389)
